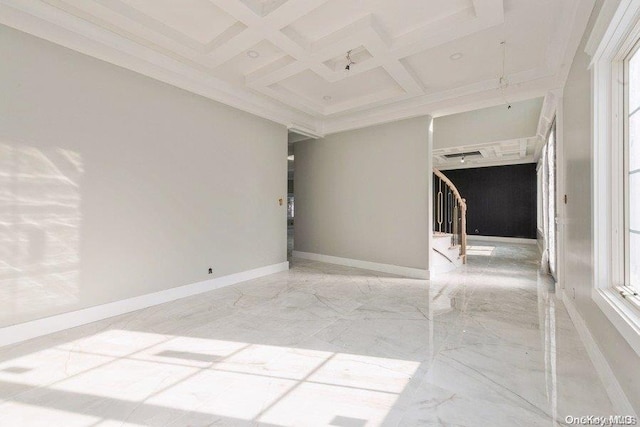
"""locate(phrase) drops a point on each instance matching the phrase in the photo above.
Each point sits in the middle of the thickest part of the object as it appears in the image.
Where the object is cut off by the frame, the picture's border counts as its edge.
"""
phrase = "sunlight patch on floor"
(480, 250)
(125, 376)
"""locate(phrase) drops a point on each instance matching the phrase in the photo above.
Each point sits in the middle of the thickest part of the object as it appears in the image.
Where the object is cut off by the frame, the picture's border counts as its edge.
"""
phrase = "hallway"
(321, 345)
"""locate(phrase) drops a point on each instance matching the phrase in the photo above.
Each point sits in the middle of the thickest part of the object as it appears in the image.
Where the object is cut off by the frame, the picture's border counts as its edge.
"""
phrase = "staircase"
(449, 225)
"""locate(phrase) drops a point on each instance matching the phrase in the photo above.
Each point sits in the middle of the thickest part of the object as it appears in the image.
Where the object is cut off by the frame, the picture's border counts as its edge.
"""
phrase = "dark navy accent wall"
(501, 200)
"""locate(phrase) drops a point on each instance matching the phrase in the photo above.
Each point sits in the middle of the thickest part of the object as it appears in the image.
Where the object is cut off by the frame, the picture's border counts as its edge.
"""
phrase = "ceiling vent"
(467, 154)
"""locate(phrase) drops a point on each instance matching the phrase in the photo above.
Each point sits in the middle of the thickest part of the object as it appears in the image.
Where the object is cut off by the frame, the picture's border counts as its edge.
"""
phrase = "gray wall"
(579, 239)
(114, 185)
(488, 124)
(363, 194)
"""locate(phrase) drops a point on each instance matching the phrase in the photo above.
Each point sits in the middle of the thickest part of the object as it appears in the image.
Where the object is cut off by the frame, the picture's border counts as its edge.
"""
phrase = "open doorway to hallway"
(290, 198)
(292, 138)
(489, 156)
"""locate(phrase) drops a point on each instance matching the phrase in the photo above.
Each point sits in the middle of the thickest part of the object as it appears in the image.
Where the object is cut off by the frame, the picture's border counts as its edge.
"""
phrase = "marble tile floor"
(320, 345)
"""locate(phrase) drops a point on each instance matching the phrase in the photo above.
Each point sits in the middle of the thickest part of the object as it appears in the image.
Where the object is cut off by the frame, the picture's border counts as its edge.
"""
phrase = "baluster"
(450, 212)
(440, 207)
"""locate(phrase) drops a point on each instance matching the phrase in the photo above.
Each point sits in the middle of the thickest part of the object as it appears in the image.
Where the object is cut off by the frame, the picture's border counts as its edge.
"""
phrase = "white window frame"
(608, 203)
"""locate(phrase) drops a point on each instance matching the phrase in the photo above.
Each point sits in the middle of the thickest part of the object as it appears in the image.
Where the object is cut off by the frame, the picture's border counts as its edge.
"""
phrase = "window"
(632, 171)
(615, 71)
(547, 202)
(551, 203)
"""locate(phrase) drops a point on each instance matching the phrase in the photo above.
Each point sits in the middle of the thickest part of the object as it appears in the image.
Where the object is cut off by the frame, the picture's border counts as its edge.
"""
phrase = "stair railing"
(449, 212)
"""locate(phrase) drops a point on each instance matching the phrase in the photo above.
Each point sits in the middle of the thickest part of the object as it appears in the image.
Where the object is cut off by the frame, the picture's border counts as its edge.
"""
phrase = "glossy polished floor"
(320, 345)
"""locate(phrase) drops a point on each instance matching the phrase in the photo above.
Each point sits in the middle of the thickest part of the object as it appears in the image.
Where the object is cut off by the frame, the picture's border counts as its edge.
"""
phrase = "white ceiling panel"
(200, 20)
(313, 87)
(244, 63)
(481, 59)
(395, 17)
(285, 59)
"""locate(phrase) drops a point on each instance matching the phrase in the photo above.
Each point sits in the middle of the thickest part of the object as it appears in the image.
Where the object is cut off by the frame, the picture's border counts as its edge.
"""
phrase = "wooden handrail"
(462, 203)
(454, 190)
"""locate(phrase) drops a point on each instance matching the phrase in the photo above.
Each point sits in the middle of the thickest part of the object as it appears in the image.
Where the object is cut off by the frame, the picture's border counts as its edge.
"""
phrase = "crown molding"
(44, 21)
(59, 26)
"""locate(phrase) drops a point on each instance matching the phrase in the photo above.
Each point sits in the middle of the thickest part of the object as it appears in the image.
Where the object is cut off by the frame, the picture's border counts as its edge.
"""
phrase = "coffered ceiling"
(497, 153)
(524, 148)
(285, 59)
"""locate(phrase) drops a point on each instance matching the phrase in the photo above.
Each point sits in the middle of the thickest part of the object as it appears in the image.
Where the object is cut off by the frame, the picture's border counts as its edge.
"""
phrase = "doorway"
(290, 199)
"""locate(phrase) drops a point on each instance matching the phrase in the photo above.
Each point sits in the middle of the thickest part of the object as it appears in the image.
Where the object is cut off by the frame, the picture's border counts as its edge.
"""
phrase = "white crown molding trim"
(51, 24)
(414, 273)
(524, 85)
(599, 29)
(62, 27)
(301, 130)
(477, 95)
(619, 25)
(619, 400)
(36, 328)
(497, 239)
(580, 22)
(488, 164)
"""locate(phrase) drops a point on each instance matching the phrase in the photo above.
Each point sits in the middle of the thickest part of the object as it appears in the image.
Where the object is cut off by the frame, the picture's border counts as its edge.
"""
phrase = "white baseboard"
(477, 238)
(414, 273)
(35, 328)
(621, 404)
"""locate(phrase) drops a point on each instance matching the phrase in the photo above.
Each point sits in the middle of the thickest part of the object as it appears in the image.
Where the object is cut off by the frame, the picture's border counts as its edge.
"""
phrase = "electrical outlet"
(210, 270)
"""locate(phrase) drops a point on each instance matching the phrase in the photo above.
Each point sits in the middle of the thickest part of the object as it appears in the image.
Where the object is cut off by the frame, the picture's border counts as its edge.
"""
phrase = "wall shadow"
(40, 221)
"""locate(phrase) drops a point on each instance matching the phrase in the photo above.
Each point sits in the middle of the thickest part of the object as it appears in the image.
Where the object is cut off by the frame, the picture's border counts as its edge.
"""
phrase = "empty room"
(345, 213)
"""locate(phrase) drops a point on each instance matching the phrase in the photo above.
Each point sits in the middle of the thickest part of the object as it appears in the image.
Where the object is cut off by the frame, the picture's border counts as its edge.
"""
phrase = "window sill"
(624, 317)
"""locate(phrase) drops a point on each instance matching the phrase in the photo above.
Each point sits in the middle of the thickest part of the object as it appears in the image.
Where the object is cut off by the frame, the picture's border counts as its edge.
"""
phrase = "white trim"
(430, 207)
(57, 26)
(36, 328)
(619, 400)
(608, 217)
(561, 191)
(301, 130)
(600, 27)
(497, 239)
(540, 242)
(173, 58)
(623, 317)
(487, 164)
(414, 273)
(618, 30)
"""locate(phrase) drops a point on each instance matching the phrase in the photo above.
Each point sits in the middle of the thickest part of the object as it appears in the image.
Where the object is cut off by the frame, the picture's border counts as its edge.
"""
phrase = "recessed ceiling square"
(396, 17)
(311, 86)
(481, 58)
(358, 56)
(249, 61)
(199, 20)
(263, 7)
